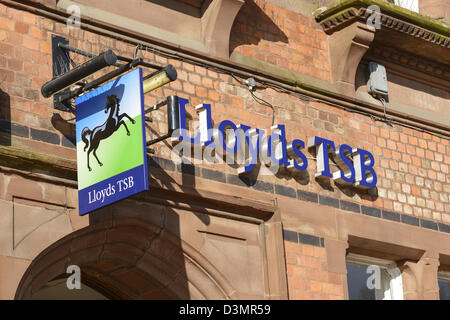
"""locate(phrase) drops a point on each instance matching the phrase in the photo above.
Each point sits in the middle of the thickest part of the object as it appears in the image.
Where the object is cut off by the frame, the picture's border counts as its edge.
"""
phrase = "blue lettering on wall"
(355, 166)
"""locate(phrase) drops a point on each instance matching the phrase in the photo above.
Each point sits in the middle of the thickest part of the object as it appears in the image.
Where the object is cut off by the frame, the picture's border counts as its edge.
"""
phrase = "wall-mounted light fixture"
(159, 78)
(151, 82)
(377, 84)
(156, 79)
(84, 70)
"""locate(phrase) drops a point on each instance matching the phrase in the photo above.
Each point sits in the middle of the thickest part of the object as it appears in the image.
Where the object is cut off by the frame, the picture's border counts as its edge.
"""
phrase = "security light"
(377, 84)
(97, 63)
(159, 78)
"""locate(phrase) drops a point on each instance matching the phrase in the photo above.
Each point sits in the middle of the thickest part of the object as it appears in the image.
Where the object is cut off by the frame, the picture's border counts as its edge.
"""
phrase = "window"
(373, 279)
(444, 285)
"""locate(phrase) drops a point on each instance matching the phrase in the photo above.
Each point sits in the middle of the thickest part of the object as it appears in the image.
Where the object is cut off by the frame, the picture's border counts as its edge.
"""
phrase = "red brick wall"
(412, 166)
(25, 63)
(280, 37)
(307, 275)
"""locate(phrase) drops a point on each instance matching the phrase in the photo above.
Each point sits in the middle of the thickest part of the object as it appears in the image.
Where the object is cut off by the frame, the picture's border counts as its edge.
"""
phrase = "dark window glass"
(357, 283)
(443, 289)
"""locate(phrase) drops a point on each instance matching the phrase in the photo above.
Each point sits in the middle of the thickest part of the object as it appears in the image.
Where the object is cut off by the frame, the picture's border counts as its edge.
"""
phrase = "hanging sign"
(111, 143)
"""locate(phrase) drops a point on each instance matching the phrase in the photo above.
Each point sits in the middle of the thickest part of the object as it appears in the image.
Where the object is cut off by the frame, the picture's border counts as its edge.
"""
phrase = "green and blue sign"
(111, 143)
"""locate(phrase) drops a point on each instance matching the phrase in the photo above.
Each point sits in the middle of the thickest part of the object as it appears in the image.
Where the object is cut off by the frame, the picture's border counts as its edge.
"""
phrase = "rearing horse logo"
(102, 132)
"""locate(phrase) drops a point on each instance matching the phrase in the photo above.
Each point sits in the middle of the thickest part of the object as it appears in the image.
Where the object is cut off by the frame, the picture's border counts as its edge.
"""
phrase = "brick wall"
(281, 37)
(25, 65)
(412, 166)
(307, 271)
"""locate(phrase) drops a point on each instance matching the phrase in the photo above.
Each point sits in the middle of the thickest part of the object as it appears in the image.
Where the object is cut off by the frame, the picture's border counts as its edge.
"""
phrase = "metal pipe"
(144, 64)
(156, 106)
(173, 114)
(173, 117)
(161, 77)
(76, 50)
(164, 137)
(123, 68)
(97, 63)
(120, 58)
(84, 53)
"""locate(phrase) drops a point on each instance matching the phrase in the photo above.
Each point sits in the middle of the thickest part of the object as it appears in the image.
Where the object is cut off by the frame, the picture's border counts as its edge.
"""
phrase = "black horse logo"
(110, 126)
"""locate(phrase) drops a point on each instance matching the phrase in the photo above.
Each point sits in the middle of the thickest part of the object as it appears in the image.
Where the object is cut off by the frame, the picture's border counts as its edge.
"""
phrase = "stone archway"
(128, 258)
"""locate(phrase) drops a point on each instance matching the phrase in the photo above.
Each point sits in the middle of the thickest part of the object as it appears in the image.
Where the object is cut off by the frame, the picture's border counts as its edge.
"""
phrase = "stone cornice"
(340, 11)
(408, 40)
(341, 20)
(408, 60)
(36, 163)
